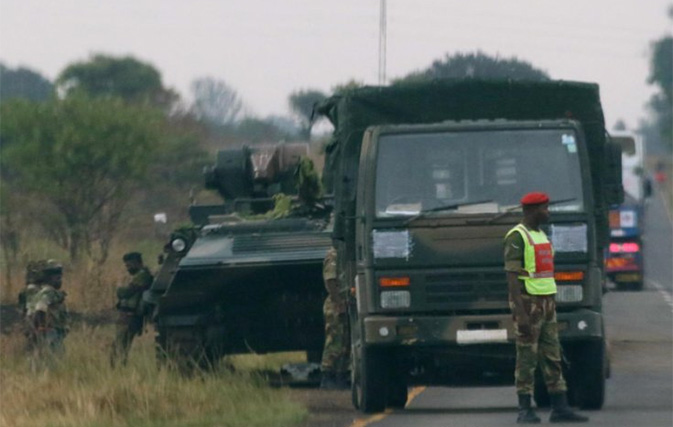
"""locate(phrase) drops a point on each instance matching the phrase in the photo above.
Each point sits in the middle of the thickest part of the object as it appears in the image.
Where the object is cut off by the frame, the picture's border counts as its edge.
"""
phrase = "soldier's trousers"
(336, 353)
(128, 325)
(45, 348)
(539, 348)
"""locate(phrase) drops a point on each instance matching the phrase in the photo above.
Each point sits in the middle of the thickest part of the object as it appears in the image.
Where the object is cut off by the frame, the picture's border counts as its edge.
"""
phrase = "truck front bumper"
(581, 324)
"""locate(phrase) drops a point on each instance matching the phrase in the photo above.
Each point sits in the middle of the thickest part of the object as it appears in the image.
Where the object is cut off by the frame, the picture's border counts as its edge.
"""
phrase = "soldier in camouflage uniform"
(130, 307)
(335, 357)
(33, 274)
(529, 264)
(46, 314)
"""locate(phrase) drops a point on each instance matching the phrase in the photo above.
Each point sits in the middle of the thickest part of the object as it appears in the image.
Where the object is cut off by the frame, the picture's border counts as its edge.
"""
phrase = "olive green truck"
(427, 179)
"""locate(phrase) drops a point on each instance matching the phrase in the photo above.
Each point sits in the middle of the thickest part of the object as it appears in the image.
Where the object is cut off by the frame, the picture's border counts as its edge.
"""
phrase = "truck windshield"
(421, 172)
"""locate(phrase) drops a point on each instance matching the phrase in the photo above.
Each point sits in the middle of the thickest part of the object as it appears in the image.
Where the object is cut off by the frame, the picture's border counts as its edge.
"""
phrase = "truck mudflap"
(580, 324)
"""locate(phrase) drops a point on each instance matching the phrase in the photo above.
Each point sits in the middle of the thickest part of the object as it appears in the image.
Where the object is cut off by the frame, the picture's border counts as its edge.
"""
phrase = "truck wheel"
(540, 393)
(588, 382)
(398, 392)
(369, 383)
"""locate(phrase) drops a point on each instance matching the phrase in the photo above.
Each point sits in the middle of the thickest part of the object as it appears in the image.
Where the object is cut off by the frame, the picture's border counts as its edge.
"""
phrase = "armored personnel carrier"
(239, 280)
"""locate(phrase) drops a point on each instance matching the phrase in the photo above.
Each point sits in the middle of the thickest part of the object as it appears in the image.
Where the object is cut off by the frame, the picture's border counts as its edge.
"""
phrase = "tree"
(345, 87)
(108, 76)
(477, 66)
(215, 102)
(259, 130)
(84, 157)
(23, 83)
(301, 104)
(661, 76)
(619, 125)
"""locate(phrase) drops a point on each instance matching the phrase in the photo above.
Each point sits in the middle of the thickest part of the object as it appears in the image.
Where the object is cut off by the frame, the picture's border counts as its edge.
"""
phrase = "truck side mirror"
(612, 183)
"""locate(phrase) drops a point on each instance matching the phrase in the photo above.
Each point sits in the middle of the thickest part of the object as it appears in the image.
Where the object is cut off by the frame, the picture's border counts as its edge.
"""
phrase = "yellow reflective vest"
(538, 265)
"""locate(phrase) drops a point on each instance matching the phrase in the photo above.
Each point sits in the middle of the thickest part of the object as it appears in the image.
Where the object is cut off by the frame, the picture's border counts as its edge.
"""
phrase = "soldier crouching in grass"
(129, 306)
(335, 357)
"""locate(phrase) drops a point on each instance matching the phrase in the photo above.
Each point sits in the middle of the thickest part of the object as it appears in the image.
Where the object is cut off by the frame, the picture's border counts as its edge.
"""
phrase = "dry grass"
(90, 287)
(82, 389)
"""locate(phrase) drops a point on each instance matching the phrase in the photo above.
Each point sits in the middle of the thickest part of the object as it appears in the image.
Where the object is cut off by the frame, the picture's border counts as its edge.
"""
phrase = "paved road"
(640, 331)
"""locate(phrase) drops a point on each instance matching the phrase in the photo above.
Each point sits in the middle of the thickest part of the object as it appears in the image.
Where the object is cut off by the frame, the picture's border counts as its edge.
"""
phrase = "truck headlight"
(178, 244)
(569, 293)
(395, 299)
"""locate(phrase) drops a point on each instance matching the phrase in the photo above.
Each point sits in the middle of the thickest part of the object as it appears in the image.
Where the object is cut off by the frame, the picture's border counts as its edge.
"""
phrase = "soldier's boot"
(526, 413)
(561, 412)
(329, 381)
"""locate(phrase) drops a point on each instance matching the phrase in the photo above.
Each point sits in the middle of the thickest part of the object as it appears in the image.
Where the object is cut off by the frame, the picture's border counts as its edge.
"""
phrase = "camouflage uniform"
(130, 314)
(542, 345)
(335, 357)
(46, 317)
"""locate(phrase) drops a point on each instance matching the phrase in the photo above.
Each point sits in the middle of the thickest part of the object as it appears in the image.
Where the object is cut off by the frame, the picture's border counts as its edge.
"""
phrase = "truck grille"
(464, 288)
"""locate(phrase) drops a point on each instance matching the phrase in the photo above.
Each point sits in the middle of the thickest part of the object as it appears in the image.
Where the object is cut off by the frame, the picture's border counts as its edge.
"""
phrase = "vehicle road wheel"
(588, 379)
(369, 379)
(314, 356)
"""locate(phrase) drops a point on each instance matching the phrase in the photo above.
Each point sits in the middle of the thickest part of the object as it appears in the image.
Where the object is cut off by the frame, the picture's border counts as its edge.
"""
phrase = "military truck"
(427, 179)
(238, 281)
(624, 260)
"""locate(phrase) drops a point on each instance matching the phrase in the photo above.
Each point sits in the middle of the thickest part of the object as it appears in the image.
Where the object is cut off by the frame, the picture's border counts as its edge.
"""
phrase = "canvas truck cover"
(353, 111)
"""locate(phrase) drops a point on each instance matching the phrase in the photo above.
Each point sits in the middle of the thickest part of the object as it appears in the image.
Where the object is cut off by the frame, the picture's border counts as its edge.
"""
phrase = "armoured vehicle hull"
(230, 285)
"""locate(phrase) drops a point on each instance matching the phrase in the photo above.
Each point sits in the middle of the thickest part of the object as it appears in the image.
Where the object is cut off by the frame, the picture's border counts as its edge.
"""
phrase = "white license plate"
(481, 336)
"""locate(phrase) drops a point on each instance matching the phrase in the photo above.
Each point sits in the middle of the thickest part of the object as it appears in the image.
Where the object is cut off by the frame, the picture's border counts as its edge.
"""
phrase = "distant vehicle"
(624, 256)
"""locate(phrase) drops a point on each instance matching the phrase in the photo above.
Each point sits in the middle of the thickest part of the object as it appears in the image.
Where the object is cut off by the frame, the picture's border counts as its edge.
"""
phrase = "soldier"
(31, 285)
(529, 263)
(46, 313)
(130, 307)
(335, 357)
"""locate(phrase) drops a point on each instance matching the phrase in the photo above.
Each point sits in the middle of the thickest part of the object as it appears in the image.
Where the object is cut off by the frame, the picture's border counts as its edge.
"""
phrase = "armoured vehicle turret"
(245, 277)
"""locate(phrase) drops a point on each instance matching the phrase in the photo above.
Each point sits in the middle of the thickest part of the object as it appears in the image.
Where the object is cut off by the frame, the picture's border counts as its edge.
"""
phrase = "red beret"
(534, 198)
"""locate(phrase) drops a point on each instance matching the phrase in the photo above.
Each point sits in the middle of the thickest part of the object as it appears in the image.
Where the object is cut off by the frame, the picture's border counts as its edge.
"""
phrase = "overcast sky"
(265, 49)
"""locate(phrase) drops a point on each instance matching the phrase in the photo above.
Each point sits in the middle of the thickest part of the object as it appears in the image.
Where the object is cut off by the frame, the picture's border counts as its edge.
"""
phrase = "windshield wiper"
(513, 208)
(444, 208)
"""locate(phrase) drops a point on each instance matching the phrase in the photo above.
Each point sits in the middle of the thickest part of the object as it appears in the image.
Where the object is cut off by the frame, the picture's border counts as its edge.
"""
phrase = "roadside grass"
(81, 389)
(90, 287)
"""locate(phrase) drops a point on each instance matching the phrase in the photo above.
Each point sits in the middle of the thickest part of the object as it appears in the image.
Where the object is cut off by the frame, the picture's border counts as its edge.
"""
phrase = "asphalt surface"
(640, 331)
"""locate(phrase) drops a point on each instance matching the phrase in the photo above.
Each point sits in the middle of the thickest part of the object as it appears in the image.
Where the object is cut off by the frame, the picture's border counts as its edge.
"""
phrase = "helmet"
(52, 267)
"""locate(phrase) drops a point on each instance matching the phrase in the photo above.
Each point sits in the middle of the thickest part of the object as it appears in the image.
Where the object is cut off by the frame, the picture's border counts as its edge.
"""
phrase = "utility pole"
(382, 43)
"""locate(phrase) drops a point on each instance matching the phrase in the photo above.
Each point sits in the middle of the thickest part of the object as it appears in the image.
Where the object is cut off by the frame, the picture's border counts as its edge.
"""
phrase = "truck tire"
(369, 379)
(589, 372)
(398, 392)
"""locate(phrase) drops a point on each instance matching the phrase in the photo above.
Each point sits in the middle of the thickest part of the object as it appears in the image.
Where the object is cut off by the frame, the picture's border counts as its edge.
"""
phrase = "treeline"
(96, 152)
(88, 158)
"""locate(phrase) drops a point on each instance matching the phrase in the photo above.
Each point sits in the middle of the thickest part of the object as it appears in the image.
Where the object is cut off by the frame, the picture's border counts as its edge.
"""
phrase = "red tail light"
(630, 247)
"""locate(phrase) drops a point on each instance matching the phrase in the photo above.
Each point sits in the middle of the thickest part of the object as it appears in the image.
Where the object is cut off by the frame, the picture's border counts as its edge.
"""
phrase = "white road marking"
(666, 295)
